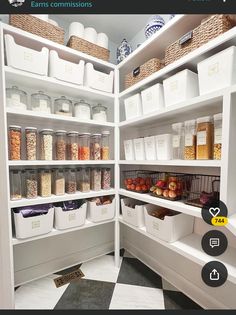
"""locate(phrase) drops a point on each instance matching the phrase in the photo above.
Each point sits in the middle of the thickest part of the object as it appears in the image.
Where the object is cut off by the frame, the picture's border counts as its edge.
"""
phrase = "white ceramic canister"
(76, 29)
(90, 35)
(102, 40)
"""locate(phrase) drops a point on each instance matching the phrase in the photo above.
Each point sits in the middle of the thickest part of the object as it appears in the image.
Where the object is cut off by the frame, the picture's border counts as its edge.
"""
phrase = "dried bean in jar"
(61, 145)
(31, 188)
(106, 178)
(15, 142)
(46, 140)
(31, 143)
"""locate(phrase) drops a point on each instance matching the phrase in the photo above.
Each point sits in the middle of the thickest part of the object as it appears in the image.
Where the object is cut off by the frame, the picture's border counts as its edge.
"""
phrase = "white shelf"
(42, 200)
(55, 232)
(231, 226)
(60, 163)
(192, 163)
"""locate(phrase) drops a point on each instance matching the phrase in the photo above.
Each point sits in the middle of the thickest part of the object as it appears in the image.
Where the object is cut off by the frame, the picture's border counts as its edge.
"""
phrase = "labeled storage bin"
(98, 80)
(153, 99)
(129, 150)
(24, 58)
(150, 148)
(101, 212)
(69, 215)
(164, 148)
(133, 106)
(132, 211)
(218, 71)
(171, 228)
(139, 149)
(180, 87)
(65, 70)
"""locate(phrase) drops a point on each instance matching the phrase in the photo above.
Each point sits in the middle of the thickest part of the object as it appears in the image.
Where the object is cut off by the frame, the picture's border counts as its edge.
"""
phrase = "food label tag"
(155, 226)
(28, 56)
(104, 211)
(218, 136)
(71, 216)
(176, 141)
(160, 143)
(213, 69)
(188, 140)
(129, 213)
(201, 138)
(35, 224)
(68, 69)
(174, 86)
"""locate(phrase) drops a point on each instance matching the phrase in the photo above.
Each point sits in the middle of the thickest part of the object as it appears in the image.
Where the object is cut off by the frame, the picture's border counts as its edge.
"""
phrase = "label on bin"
(218, 136)
(176, 141)
(155, 226)
(71, 216)
(189, 140)
(104, 211)
(201, 138)
(28, 56)
(213, 69)
(36, 224)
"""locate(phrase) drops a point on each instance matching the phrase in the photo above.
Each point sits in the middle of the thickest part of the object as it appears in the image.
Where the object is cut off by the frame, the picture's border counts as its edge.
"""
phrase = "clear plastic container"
(95, 145)
(204, 138)
(60, 144)
(16, 98)
(72, 145)
(82, 110)
(105, 151)
(31, 184)
(41, 102)
(45, 183)
(84, 146)
(71, 184)
(99, 113)
(96, 178)
(15, 185)
(31, 143)
(58, 182)
(14, 142)
(178, 141)
(83, 179)
(217, 136)
(46, 144)
(106, 178)
(63, 106)
(190, 140)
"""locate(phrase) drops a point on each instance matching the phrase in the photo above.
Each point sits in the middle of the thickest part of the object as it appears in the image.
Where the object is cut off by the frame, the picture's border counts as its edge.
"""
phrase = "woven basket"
(36, 26)
(88, 48)
(143, 71)
(210, 28)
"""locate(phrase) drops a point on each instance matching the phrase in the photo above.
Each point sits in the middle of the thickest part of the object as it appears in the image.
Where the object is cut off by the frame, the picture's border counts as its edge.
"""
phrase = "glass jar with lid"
(99, 113)
(84, 146)
(16, 98)
(190, 139)
(45, 183)
(46, 144)
(31, 143)
(60, 143)
(106, 178)
(83, 179)
(217, 136)
(105, 151)
(72, 145)
(63, 106)
(41, 102)
(58, 182)
(178, 141)
(96, 178)
(204, 138)
(31, 184)
(14, 142)
(82, 110)
(95, 145)
(71, 184)
(15, 185)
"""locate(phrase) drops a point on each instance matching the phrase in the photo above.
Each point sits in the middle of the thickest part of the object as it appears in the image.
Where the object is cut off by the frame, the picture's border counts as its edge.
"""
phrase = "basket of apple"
(170, 188)
(139, 181)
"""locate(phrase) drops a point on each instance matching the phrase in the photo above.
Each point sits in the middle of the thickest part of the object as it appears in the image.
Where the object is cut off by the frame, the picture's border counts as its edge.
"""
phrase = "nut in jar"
(14, 142)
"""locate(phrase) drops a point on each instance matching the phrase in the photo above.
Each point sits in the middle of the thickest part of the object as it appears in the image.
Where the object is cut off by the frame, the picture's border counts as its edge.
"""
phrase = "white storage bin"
(65, 70)
(101, 213)
(133, 106)
(180, 87)
(69, 219)
(139, 149)
(26, 59)
(218, 71)
(150, 148)
(98, 80)
(33, 226)
(152, 99)
(129, 150)
(133, 216)
(171, 229)
(164, 147)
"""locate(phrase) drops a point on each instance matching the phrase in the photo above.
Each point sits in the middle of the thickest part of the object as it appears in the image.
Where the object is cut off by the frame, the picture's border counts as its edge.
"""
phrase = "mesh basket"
(140, 181)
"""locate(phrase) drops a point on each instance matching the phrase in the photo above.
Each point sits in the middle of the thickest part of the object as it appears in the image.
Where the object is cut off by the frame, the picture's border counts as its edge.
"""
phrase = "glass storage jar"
(72, 145)
(16, 98)
(96, 177)
(15, 185)
(31, 143)
(178, 141)
(95, 146)
(45, 183)
(84, 146)
(41, 102)
(58, 182)
(83, 179)
(14, 142)
(105, 151)
(106, 178)
(217, 136)
(204, 138)
(190, 140)
(46, 144)
(99, 113)
(71, 184)
(63, 106)
(82, 110)
(31, 184)
(60, 144)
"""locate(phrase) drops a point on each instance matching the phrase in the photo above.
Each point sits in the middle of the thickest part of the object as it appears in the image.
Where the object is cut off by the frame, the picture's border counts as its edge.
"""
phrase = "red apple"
(172, 186)
(166, 193)
(172, 194)
(159, 192)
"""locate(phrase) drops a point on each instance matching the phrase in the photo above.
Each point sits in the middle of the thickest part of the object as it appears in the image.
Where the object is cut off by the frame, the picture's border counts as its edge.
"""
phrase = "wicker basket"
(88, 48)
(210, 28)
(143, 71)
(36, 26)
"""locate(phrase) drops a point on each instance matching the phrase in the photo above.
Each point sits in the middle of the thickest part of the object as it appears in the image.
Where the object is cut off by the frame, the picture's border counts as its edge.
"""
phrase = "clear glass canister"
(82, 110)
(178, 141)
(15, 185)
(45, 183)
(204, 138)
(95, 146)
(58, 182)
(105, 145)
(106, 178)
(31, 143)
(63, 106)
(60, 144)
(41, 102)
(71, 184)
(83, 179)
(84, 146)
(217, 136)
(99, 113)
(190, 140)
(14, 142)
(46, 144)
(16, 98)
(31, 184)
(96, 178)
(72, 145)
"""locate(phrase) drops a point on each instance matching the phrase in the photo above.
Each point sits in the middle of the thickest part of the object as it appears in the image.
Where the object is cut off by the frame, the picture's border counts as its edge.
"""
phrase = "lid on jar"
(41, 93)
(82, 102)
(204, 119)
(15, 171)
(96, 135)
(46, 130)
(84, 134)
(30, 128)
(63, 98)
(60, 132)
(15, 89)
(218, 116)
(15, 127)
(190, 122)
(105, 132)
(178, 125)
(100, 106)
(72, 133)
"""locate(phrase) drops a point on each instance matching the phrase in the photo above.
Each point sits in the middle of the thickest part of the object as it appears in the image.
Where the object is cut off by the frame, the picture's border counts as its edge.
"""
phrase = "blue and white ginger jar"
(123, 51)
(154, 24)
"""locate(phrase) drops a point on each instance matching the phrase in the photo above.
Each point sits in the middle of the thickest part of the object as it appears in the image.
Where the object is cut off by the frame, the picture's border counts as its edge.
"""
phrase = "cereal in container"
(14, 142)
(45, 183)
(190, 140)
(106, 178)
(217, 136)
(83, 179)
(46, 144)
(72, 145)
(31, 143)
(204, 138)
(84, 146)
(71, 184)
(60, 144)
(95, 145)
(31, 184)
(58, 182)
(96, 177)
(105, 151)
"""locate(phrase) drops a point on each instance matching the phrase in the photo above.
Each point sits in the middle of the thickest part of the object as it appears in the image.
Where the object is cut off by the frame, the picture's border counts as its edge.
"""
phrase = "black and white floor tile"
(131, 286)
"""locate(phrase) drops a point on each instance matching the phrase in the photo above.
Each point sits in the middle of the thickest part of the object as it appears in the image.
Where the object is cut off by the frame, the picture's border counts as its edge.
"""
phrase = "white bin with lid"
(139, 149)
(164, 147)
(153, 99)
(150, 148)
(133, 106)
(129, 150)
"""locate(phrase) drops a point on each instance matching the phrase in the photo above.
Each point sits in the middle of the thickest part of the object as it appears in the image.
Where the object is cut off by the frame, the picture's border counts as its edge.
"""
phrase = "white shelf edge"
(62, 162)
(190, 163)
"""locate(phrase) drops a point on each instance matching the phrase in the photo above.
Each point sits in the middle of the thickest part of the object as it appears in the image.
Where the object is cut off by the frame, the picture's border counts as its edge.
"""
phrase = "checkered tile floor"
(132, 286)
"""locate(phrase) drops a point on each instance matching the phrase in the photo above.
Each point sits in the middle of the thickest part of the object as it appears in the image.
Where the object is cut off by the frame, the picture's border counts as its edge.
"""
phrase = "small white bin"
(150, 148)
(129, 150)
(164, 147)
(218, 71)
(33, 226)
(26, 59)
(153, 99)
(98, 80)
(133, 106)
(70, 219)
(133, 216)
(101, 213)
(171, 229)
(180, 87)
(65, 70)
(139, 149)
